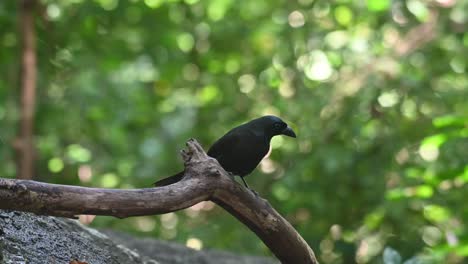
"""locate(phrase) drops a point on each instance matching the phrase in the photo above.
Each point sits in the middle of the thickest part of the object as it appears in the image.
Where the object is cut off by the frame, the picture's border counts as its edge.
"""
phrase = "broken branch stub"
(204, 180)
(197, 162)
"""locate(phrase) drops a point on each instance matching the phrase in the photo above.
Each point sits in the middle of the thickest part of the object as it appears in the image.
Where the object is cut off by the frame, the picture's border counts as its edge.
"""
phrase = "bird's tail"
(170, 180)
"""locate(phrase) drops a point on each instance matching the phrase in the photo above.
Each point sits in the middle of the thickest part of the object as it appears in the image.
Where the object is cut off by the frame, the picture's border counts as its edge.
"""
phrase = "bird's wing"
(239, 151)
(224, 144)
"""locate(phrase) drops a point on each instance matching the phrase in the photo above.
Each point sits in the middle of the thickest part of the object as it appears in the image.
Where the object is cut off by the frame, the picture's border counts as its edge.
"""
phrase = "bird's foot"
(254, 192)
(232, 175)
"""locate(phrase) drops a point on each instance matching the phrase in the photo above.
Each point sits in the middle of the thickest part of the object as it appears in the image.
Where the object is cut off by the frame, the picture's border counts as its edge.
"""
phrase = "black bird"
(243, 147)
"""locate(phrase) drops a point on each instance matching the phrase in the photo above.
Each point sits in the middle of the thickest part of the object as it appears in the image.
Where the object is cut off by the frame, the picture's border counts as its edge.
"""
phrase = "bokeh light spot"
(191, 72)
(85, 173)
(296, 19)
(55, 165)
(208, 94)
(418, 9)
(431, 235)
(378, 5)
(109, 180)
(169, 221)
(108, 5)
(316, 66)
(194, 243)
(78, 153)
(217, 9)
(145, 223)
(53, 11)
(436, 213)
(388, 99)
(154, 3)
(246, 83)
(429, 152)
(185, 42)
(343, 15)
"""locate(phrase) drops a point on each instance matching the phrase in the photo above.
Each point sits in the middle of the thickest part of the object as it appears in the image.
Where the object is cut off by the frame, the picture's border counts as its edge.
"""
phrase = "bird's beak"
(288, 132)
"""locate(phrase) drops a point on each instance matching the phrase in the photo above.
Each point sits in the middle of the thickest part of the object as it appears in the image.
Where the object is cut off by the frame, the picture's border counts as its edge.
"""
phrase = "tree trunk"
(24, 143)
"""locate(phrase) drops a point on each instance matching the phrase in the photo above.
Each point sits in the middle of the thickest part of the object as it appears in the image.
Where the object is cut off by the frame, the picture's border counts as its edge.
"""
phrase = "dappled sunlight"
(169, 221)
(55, 165)
(191, 72)
(429, 152)
(77, 153)
(296, 19)
(185, 42)
(246, 83)
(195, 210)
(194, 243)
(86, 219)
(431, 235)
(267, 166)
(85, 173)
(315, 65)
(109, 180)
(145, 223)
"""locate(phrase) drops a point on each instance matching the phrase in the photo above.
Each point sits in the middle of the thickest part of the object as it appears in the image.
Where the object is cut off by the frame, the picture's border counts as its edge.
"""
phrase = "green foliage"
(378, 173)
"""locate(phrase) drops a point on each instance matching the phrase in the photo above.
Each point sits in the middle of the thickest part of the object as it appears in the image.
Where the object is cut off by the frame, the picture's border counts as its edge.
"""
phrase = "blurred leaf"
(343, 15)
(218, 8)
(208, 94)
(434, 141)
(78, 154)
(378, 5)
(449, 120)
(374, 219)
(436, 213)
(109, 180)
(418, 9)
(185, 42)
(462, 250)
(395, 194)
(424, 191)
(55, 165)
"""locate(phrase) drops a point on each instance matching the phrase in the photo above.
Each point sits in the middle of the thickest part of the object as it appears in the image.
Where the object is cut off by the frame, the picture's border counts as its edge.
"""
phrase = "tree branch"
(204, 179)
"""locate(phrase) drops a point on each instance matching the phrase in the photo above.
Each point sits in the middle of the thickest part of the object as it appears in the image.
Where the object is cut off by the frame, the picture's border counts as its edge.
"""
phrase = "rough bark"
(32, 239)
(24, 143)
(204, 179)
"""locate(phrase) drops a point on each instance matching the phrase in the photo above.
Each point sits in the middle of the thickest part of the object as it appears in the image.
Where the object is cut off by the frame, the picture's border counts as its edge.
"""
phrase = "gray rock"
(28, 238)
(173, 253)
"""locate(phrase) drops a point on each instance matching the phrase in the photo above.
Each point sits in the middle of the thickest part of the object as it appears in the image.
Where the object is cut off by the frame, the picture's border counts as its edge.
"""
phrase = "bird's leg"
(232, 175)
(245, 183)
(252, 190)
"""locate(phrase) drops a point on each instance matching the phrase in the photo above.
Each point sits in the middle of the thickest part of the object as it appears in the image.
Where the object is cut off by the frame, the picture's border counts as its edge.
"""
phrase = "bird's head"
(274, 126)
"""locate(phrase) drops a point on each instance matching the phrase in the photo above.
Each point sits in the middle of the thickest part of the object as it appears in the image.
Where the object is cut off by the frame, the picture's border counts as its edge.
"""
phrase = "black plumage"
(241, 149)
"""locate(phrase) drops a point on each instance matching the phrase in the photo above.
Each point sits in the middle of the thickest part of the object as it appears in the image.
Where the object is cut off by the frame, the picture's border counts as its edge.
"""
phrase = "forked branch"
(204, 179)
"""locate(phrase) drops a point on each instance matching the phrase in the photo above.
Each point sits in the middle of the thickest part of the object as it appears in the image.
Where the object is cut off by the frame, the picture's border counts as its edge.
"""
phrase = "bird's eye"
(277, 125)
